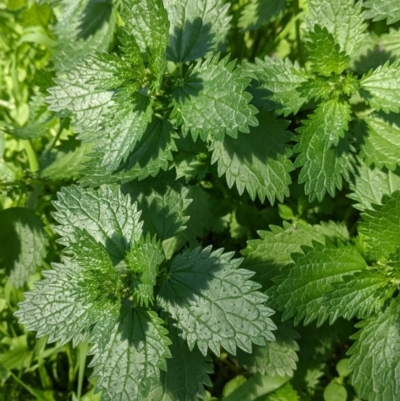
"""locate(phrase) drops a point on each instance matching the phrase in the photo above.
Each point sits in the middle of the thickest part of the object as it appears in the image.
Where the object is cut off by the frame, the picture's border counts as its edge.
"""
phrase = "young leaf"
(214, 303)
(324, 168)
(381, 88)
(380, 227)
(258, 12)
(267, 255)
(381, 9)
(344, 19)
(128, 353)
(324, 53)
(301, 288)
(362, 295)
(371, 183)
(278, 81)
(196, 28)
(375, 356)
(259, 161)
(211, 100)
(22, 244)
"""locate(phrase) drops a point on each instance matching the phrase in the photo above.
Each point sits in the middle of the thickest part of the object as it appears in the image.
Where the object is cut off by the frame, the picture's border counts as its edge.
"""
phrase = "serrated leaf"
(375, 356)
(196, 28)
(378, 135)
(383, 9)
(371, 183)
(362, 295)
(300, 289)
(277, 84)
(391, 41)
(106, 214)
(278, 357)
(323, 168)
(214, 303)
(324, 53)
(267, 255)
(128, 353)
(334, 231)
(186, 374)
(380, 227)
(344, 19)
(163, 202)
(22, 244)
(65, 161)
(259, 12)
(259, 161)
(381, 88)
(212, 101)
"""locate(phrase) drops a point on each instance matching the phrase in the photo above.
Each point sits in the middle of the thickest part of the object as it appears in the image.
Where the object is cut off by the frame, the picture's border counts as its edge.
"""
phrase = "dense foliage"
(200, 200)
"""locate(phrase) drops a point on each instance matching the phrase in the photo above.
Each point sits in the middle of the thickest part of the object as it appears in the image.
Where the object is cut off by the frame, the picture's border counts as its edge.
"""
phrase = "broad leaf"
(381, 9)
(211, 100)
(301, 288)
(375, 356)
(22, 243)
(196, 28)
(259, 161)
(214, 303)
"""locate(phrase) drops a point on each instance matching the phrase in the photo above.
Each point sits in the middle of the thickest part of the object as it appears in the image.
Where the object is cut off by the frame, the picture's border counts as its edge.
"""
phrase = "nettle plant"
(155, 116)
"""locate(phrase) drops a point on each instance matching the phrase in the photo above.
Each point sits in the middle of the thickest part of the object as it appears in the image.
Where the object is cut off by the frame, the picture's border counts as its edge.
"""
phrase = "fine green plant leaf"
(391, 41)
(380, 227)
(267, 255)
(324, 53)
(379, 138)
(344, 19)
(22, 244)
(381, 88)
(278, 357)
(371, 183)
(137, 335)
(211, 100)
(301, 288)
(214, 303)
(383, 9)
(186, 374)
(258, 12)
(323, 168)
(375, 356)
(259, 161)
(362, 295)
(333, 231)
(276, 86)
(196, 28)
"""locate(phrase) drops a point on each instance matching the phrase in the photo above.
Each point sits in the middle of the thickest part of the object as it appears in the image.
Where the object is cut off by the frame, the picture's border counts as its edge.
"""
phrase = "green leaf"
(128, 353)
(334, 231)
(106, 214)
(300, 289)
(335, 391)
(381, 88)
(267, 255)
(371, 183)
(22, 244)
(277, 84)
(362, 295)
(391, 41)
(278, 357)
(212, 101)
(65, 161)
(344, 19)
(381, 9)
(324, 53)
(375, 356)
(186, 374)
(259, 12)
(324, 168)
(214, 303)
(259, 161)
(379, 138)
(163, 202)
(2, 144)
(196, 28)
(284, 393)
(380, 227)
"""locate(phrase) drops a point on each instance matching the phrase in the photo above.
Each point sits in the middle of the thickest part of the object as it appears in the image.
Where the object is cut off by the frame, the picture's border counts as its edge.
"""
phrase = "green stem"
(63, 125)
(32, 158)
(83, 350)
(298, 33)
